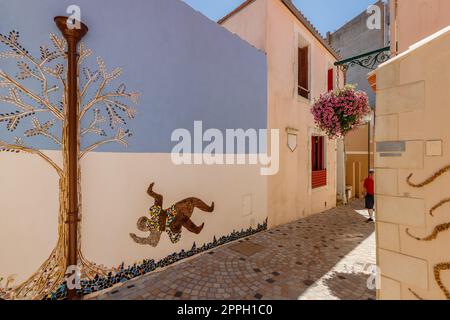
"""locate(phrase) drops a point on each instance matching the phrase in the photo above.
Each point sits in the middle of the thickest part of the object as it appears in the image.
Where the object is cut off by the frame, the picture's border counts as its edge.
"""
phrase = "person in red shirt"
(369, 191)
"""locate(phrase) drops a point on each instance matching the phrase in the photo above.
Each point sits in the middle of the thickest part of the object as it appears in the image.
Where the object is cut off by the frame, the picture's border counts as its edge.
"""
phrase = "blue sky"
(326, 15)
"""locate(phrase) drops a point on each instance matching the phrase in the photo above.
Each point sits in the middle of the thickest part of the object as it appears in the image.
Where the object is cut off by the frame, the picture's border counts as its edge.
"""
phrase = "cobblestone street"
(325, 256)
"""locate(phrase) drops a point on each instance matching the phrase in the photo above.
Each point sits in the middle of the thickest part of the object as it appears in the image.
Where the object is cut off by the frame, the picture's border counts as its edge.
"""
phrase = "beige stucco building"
(414, 20)
(300, 68)
(411, 156)
(412, 141)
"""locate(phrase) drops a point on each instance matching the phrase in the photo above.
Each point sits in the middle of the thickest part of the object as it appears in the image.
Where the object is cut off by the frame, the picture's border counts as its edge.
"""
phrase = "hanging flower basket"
(340, 111)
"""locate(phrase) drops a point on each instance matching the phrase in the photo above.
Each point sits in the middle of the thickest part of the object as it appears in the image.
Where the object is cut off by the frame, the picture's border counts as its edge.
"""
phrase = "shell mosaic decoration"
(444, 266)
(429, 180)
(122, 273)
(20, 110)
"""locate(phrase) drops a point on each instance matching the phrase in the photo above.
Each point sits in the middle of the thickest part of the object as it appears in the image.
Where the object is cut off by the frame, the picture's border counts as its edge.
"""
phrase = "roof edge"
(235, 11)
(296, 12)
(301, 17)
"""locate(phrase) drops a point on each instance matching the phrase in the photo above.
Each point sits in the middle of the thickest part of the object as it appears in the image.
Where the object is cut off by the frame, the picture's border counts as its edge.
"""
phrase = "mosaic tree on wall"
(33, 114)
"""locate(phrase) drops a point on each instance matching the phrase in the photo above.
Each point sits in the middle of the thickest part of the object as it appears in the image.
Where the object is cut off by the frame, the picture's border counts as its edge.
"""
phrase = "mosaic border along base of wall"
(147, 266)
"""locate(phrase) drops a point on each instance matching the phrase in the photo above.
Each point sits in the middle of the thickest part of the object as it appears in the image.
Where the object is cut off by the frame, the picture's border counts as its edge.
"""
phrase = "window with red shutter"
(330, 80)
(303, 72)
(319, 172)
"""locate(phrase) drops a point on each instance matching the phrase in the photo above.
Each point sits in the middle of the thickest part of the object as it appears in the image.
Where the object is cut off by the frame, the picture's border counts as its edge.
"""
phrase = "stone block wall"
(412, 175)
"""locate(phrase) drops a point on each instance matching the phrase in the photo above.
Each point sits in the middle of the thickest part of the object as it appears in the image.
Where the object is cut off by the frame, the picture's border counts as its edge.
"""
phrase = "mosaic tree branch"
(14, 99)
(134, 97)
(25, 71)
(91, 79)
(437, 230)
(18, 148)
(92, 270)
(57, 72)
(83, 52)
(106, 79)
(94, 125)
(429, 180)
(13, 118)
(20, 52)
(118, 138)
(40, 129)
(46, 56)
(45, 280)
(53, 109)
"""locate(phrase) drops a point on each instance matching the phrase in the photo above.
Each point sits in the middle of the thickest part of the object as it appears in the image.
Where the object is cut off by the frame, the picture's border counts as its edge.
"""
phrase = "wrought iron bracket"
(369, 60)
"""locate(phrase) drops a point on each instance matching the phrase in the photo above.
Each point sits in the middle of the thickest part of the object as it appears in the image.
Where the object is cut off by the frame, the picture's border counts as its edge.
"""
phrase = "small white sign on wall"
(434, 148)
(292, 138)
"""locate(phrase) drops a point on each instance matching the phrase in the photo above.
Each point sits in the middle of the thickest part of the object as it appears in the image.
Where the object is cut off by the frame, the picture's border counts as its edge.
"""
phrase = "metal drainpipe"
(72, 36)
(368, 146)
(395, 29)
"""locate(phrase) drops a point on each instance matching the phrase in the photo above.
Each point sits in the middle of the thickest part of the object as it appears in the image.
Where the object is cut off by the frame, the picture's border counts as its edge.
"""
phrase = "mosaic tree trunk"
(52, 272)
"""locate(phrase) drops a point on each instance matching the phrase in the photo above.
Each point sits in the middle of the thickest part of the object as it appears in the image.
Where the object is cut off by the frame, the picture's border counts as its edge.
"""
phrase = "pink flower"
(338, 112)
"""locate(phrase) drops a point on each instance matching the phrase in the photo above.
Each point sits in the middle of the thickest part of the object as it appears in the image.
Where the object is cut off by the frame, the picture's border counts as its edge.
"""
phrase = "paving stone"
(320, 257)
(258, 296)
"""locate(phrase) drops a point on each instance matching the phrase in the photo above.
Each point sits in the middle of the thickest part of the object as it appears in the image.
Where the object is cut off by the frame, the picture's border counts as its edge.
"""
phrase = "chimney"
(328, 37)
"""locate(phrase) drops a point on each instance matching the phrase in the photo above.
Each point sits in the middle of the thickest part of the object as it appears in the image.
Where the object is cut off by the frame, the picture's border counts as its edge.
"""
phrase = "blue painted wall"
(186, 67)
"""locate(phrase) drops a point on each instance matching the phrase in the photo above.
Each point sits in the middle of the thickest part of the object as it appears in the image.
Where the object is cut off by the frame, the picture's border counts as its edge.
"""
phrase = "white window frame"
(330, 65)
(300, 42)
(311, 133)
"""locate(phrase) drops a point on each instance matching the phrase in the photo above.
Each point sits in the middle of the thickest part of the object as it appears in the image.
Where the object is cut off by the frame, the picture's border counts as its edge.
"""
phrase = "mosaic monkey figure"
(143, 224)
(170, 220)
